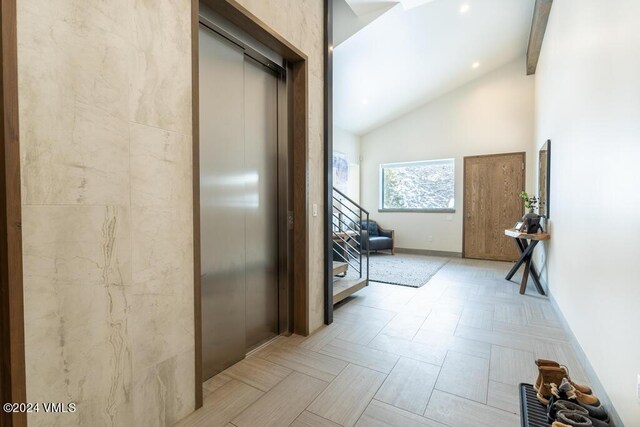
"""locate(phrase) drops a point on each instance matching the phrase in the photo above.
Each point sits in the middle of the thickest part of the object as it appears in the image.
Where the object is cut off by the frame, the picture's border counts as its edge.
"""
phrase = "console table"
(526, 244)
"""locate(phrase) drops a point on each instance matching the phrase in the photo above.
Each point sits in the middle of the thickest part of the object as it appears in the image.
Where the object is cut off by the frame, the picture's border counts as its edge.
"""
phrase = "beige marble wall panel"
(77, 272)
(105, 122)
(163, 394)
(73, 130)
(161, 65)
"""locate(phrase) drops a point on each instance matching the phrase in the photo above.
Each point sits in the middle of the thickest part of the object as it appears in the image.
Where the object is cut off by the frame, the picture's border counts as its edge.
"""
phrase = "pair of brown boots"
(551, 372)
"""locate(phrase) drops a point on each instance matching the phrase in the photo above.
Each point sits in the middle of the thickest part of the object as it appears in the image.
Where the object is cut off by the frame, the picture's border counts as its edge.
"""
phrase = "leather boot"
(548, 375)
(557, 375)
(574, 394)
(552, 363)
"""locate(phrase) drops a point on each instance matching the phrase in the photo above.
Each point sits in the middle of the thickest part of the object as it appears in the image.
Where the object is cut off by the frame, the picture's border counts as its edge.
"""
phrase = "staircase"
(350, 256)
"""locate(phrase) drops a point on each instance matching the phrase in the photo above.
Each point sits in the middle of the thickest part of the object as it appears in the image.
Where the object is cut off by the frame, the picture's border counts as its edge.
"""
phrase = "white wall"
(493, 114)
(588, 104)
(349, 145)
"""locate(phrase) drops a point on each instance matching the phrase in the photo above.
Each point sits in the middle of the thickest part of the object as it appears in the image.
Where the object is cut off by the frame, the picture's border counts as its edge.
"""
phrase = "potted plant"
(531, 219)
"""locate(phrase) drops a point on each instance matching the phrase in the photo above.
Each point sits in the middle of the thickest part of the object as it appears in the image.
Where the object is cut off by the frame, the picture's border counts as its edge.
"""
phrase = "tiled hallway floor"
(450, 353)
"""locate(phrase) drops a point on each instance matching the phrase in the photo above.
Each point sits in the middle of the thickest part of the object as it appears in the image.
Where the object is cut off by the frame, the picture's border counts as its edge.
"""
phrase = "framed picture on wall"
(340, 171)
(544, 174)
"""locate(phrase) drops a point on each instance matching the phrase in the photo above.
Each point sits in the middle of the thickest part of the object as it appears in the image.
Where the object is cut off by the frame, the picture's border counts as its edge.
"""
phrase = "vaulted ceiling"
(404, 54)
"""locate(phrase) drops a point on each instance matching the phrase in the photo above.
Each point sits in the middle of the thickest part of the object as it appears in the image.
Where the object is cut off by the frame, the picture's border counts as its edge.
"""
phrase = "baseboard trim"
(429, 252)
(595, 383)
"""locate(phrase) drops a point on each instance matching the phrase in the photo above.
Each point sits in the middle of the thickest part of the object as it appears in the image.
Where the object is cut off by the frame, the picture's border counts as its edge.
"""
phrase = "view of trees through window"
(418, 185)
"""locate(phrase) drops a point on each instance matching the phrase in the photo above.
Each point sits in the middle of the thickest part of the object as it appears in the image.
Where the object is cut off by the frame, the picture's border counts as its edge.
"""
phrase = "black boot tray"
(532, 412)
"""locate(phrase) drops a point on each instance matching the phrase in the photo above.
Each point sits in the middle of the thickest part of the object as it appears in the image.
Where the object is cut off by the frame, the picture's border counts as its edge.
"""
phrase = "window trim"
(381, 207)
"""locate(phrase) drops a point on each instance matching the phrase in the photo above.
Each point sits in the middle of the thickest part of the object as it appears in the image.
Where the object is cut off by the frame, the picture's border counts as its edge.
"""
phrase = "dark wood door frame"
(328, 161)
(298, 78)
(464, 180)
(12, 362)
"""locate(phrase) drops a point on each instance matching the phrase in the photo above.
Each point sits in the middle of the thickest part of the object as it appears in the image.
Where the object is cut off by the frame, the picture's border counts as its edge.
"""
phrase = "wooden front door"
(492, 185)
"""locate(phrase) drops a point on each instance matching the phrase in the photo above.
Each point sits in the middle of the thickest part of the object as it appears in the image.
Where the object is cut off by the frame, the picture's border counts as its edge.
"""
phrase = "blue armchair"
(376, 238)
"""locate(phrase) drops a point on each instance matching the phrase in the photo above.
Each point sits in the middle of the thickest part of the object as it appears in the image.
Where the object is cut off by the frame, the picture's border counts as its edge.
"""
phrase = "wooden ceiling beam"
(541, 12)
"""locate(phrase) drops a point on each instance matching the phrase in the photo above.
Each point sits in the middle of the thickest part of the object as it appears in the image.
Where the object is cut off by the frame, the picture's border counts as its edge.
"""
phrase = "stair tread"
(342, 288)
(339, 267)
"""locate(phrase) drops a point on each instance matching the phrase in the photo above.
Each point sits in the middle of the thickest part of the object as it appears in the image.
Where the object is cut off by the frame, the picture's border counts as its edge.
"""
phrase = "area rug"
(402, 269)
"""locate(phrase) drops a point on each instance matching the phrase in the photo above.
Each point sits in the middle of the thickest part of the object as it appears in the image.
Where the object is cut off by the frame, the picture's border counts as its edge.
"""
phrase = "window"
(426, 186)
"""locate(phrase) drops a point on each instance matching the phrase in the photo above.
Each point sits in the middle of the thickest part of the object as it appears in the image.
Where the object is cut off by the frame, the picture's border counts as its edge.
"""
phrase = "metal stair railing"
(348, 234)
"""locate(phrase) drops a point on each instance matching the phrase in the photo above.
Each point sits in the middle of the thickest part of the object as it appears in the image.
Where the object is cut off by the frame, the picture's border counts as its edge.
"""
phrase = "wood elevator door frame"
(298, 81)
(12, 359)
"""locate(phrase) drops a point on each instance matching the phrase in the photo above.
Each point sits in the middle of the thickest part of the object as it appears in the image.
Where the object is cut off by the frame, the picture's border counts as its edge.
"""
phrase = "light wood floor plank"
(348, 395)
(511, 366)
(379, 414)
(308, 362)
(362, 332)
(456, 411)
(441, 321)
(412, 349)
(356, 313)
(533, 332)
(465, 376)
(541, 314)
(222, 405)
(505, 339)
(504, 396)
(215, 382)
(404, 326)
(361, 355)
(409, 385)
(513, 314)
(477, 318)
(258, 373)
(309, 419)
(454, 343)
(283, 403)
(323, 336)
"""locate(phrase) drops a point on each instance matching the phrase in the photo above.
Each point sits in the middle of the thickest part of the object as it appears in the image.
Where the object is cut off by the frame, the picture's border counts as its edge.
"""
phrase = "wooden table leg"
(525, 275)
(531, 270)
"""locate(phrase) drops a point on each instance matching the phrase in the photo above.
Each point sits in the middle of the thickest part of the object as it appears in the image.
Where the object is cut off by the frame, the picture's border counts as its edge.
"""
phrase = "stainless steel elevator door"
(238, 203)
(261, 238)
(222, 203)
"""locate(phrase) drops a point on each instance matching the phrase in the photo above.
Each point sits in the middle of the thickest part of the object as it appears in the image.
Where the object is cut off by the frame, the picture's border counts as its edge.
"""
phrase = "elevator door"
(261, 214)
(238, 203)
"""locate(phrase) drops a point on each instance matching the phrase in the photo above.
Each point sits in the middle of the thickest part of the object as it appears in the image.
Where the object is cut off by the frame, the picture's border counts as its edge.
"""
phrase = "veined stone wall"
(105, 138)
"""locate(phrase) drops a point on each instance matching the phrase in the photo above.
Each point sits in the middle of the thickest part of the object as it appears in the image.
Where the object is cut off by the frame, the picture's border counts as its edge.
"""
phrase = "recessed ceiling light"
(465, 8)
(475, 65)
(365, 101)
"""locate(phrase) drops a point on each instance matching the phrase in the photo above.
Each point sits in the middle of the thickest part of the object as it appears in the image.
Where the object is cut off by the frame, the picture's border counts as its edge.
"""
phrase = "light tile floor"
(448, 354)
